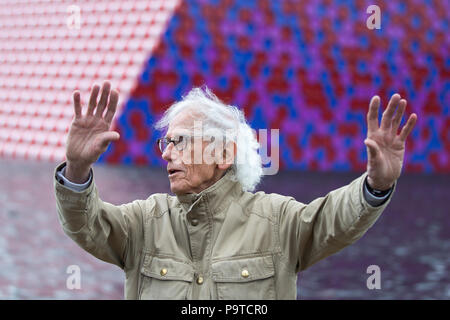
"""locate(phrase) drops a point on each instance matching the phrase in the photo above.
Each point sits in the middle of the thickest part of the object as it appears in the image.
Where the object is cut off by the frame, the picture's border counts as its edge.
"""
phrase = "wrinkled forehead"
(183, 123)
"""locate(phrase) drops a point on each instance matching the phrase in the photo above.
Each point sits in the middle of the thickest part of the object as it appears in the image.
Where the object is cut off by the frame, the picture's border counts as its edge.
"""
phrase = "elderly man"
(214, 238)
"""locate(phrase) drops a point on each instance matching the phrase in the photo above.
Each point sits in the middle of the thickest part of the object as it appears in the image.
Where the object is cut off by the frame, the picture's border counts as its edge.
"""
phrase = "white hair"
(247, 166)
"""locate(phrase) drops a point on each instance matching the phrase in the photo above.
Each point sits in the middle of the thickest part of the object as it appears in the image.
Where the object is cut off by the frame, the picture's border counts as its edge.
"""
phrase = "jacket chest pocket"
(246, 279)
(165, 278)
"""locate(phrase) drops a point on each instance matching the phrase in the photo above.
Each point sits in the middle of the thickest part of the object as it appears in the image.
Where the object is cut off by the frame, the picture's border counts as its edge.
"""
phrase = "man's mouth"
(173, 172)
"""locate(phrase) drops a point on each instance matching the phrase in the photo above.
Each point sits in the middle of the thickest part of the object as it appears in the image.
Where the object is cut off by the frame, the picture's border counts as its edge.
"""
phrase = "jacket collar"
(218, 196)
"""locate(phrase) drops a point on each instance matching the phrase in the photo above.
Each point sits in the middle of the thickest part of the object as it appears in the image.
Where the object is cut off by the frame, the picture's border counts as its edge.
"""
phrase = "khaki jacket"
(222, 243)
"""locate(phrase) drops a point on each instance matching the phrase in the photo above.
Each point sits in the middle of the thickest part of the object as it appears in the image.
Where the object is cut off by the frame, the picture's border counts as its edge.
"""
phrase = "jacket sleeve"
(311, 232)
(108, 232)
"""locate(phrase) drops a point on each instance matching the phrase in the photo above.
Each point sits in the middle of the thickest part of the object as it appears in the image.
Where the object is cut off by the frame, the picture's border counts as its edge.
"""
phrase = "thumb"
(107, 137)
(372, 148)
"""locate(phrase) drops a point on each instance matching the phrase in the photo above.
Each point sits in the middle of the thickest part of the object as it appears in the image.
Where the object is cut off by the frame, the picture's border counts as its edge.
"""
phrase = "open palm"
(89, 134)
(386, 148)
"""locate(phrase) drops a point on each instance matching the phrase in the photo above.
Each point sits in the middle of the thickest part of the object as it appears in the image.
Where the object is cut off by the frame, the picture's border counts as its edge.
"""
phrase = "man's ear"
(228, 156)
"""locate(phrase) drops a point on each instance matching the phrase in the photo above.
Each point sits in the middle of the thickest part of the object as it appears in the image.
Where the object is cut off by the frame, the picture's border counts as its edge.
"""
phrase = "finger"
(372, 115)
(372, 148)
(398, 115)
(408, 127)
(386, 120)
(93, 99)
(77, 104)
(112, 106)
(103, 99)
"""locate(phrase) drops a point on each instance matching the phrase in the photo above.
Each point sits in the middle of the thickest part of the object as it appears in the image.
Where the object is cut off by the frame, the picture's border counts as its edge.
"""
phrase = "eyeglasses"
(179, 142)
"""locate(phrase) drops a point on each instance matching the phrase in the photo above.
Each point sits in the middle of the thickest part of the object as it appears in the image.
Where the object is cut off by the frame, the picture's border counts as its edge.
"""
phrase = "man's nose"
(167, 153)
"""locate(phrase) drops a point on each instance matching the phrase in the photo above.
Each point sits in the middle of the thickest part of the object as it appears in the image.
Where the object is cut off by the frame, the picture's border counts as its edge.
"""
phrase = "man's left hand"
(386, 148)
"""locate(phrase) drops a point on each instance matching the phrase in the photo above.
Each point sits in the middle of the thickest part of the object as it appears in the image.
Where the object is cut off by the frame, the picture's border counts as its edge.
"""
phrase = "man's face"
(189, 176)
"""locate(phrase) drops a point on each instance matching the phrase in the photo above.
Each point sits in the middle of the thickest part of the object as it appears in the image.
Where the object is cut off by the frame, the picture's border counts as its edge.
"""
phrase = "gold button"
(200, 280)
(163, 271)
(194, 222)
(245, 273)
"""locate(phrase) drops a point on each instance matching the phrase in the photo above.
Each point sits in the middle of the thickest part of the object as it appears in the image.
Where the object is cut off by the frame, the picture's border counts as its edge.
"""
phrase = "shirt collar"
(217, 195)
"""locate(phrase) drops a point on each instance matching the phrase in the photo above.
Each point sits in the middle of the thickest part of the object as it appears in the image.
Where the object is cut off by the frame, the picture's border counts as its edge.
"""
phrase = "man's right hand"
(89, 134)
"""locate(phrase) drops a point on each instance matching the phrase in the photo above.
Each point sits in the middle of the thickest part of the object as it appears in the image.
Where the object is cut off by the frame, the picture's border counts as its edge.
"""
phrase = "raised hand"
(386, 148)
(89, 134)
